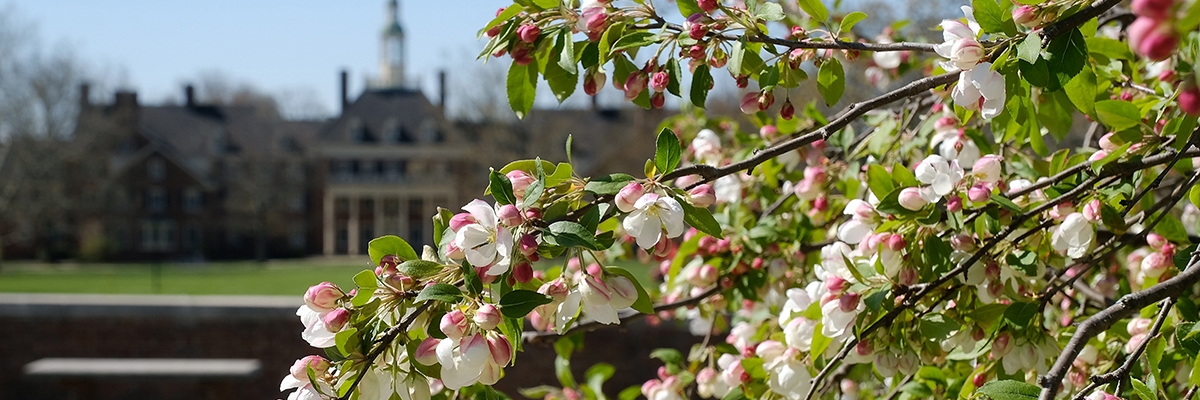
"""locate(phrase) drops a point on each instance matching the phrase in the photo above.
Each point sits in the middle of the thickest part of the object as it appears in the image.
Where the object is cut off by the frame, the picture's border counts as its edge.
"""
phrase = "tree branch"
(800, 44)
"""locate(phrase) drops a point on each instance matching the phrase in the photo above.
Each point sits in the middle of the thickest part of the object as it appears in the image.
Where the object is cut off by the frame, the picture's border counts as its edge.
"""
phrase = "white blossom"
(941, 176)
(980, 89)
(960, 43)
(484, 242)
(652, 215)
(1074, 236)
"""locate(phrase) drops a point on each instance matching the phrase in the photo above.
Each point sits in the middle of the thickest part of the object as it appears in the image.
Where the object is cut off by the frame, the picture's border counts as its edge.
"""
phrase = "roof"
(378, 109)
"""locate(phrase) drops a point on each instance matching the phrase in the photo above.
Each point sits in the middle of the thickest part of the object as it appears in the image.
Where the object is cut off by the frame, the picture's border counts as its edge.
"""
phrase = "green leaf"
(363, 296)
(831, 80)
(1009, 390)
(769, 12)
(1187, 336)
(522, 87)
(501, 189)
(347, 340)
(562, 76)
(701, 219)
(852, 19)
(1142, 390)
(596, 375)
(366, 279)
(1113, 156)
(505, 15)
(1082, 91)
(608, 184)
(988, 313)
(390, 245)
(879, 180)
(989, 15)
(635, 39)
(688, 7)
(736, 52)
(667, 151)
(1171, 229)
(1118, 115)
(1024, 261)
(1029, 49)
(643, 303)
(668, 356)
(571, 234)
(701, 83)
(518, 303)
(1067, 55)
(937, 326)
(1019, 314)
(673, 71)
(419, 268)
(1110, 48)
(441, 292)
(815, 9)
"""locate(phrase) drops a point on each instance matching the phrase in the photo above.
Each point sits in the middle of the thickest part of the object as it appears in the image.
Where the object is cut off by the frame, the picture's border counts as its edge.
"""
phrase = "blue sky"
(276, 45)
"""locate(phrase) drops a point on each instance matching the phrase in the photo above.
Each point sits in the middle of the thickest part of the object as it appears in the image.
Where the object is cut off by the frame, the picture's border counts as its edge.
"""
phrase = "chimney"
(442, 90)
(189, 93)
(85, 91)
(345, 90)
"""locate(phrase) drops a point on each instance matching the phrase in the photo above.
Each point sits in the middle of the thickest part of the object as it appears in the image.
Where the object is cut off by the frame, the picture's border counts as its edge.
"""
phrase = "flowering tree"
(937, 248)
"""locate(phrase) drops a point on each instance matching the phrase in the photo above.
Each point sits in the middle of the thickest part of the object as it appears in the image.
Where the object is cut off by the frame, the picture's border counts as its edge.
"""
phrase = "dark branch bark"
(801, 44)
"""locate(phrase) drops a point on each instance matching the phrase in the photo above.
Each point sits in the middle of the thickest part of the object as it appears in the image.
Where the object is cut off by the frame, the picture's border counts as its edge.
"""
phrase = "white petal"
(290, 382)
(671, 214)
(651, 232)
(483, 213)
(567, 311)
(929, 168)
(953, 30)
(854, 231)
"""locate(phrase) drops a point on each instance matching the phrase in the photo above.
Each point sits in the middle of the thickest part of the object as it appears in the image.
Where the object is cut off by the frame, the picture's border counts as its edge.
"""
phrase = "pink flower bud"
(910, 198)
(663, 248)
(766, 100)
(1002, 345)
(520, 181)
(500, 349)
(528, 33)
(533, 213)
(702, 195)
(336, 320)
(962, 243)
(323, 297)
(657, 100)
(521, 55)
(460, 220)
(749, 103)
(1152, 38)
(453, 252)
(988, 168)
(1189, 99)
(979, 193)
(1156, 9)
(708, 5)
(897, 243)
(299, 369)
(979, 380)
(697, 31)
(454, 324)
(836, 285)
(628, 196)
(509, 215)
(659, 81)
(1138, 326)
(1106, 142)
(1099, 155)
(426, 353)
(487, 317)
(1155, 241)
(624, 291)
(556, 289)
(848, 302)
(523, 272)
(954, 203)
(1091, 210)
(1155, 264)
(635, 84)
(1026, 16)
(788, 111)
(945, 124)
(593, 81)
(909, 276)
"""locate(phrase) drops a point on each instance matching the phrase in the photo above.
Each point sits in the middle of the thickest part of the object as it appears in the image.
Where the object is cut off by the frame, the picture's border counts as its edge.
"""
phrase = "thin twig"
(800, 44)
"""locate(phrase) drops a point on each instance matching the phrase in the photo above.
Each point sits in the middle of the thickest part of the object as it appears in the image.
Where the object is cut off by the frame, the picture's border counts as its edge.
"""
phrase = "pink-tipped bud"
(979, 380)
(533, 213)
(528, 245)
(500, 349)
(523, 272)
(836, 285)
(454, 324)
(1189, 99)
(657, 100)
(897, 243)
(556, 289)
(702, 195)
(962, 243)
(988, 168)
(509, 215)
(1155, 264)
(528, 33)
(460, 220)
(1091, 210)
(659, 81)
(910, 198)
(848, 302)
(1138, 326)
(624, 291)
(708, 5)
(788, 111)
(697, 32)
(1156, 9)
(336, 320)
(300, 368)
(1099, 155)
(1106, 142)
(1026, 16)
(453, 252)
(954, 203)
(749, 103)
(628, 196)
(945, 124)
(593, 81)
(979, 193)
(487, 317)
(696, 52)
(1152, 38)
(635, 84)
(1155, 241)
(1002, 345)
(520, 181)
(426, 353)
(663, 248)
(323, 297)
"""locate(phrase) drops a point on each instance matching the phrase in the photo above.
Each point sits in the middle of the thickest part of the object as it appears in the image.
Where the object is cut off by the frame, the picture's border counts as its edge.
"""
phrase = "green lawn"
(282, 277)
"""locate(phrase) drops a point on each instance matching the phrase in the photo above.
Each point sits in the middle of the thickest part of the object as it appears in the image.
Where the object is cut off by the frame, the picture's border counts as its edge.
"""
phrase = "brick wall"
(269, 334)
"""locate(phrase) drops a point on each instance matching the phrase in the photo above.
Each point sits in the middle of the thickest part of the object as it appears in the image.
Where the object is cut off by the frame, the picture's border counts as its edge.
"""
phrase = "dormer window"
(396, 133)
(430, 133)
(156, 169)
(359, 132)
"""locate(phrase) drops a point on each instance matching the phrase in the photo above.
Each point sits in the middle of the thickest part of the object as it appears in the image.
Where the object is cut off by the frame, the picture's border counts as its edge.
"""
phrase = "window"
(156, 169)
(193, 200)
(191, 237)
(158, 235)
(359, 132)
(430, 132)
(296, 237)
(397, 134)
(156, 199)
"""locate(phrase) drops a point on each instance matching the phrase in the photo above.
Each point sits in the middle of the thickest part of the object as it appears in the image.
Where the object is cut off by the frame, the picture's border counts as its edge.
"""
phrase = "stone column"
(428, 208)
(379, 217)
(402, 215)
(328, 228)
(352, 230)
